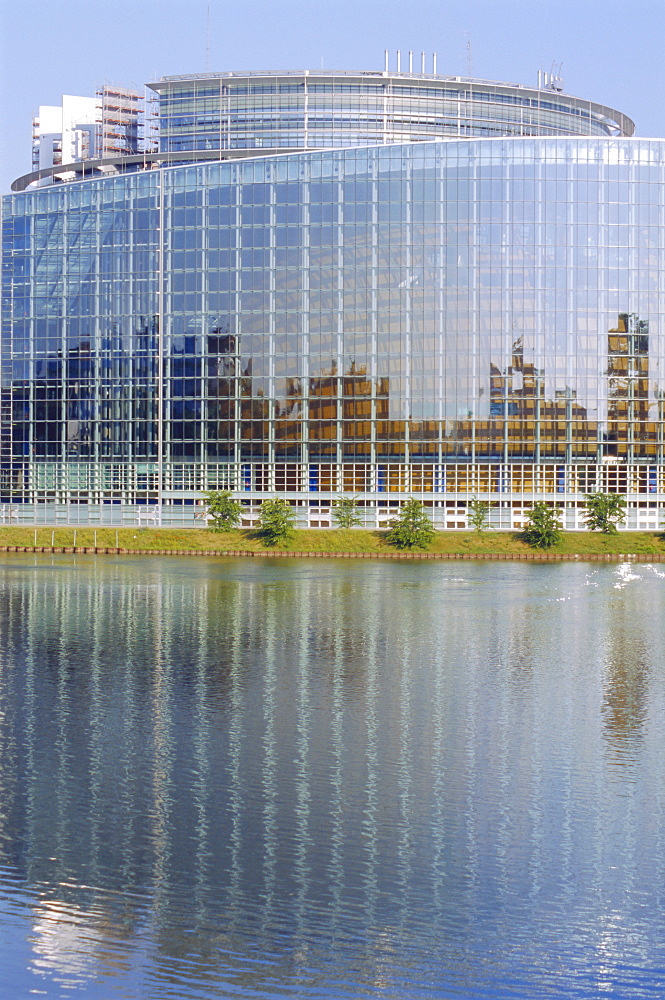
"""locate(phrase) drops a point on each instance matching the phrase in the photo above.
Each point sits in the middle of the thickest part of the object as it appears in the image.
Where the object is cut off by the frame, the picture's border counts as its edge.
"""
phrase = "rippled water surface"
(226, 778)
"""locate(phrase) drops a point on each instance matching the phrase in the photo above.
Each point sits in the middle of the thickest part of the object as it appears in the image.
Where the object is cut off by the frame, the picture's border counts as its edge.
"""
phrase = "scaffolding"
(120, 121)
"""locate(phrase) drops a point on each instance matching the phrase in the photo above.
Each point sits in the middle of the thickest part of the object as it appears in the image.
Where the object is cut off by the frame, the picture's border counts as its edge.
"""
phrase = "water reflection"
(331, 780)
(628, 668)
(72, 945)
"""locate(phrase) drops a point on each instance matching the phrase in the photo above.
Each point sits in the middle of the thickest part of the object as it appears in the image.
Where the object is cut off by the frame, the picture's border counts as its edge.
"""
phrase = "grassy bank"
(445, 542)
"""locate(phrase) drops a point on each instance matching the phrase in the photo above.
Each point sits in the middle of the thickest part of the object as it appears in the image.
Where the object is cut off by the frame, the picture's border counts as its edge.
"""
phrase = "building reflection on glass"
(340, 414)
(441, 323)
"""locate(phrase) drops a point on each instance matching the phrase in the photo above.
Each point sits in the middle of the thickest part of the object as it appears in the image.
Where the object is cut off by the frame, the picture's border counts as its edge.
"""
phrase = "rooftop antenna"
(553, 80)
(422, 63)
(469, 59)
(385, 60)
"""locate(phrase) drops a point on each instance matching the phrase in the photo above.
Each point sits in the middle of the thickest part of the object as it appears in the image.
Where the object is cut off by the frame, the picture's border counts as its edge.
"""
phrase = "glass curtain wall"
(80, 341)
(306, 110)
(471, 317)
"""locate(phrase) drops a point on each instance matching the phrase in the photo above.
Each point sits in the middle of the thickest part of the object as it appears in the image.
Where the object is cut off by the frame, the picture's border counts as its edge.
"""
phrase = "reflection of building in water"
(267, 758)
(161, 769)
(625, 706)
(626, 693)
(74, 945)
(304, 291)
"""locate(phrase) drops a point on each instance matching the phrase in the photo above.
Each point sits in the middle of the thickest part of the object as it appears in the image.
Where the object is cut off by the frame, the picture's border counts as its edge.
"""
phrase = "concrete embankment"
(613, 557)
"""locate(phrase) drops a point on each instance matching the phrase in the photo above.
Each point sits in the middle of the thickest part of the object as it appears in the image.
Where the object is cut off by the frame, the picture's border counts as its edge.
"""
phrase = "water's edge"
(645, 557)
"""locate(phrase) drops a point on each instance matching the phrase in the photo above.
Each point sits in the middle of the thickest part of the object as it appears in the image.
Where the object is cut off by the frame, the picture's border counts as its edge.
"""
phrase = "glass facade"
(444, 319)
(319, 109)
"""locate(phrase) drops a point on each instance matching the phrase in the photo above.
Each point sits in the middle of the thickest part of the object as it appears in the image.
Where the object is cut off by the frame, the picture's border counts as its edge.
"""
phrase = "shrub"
(223, 511)
(413, 528)
(276, 521)
(543, 526)
(604, 512)
(344, 511)
(479, 514)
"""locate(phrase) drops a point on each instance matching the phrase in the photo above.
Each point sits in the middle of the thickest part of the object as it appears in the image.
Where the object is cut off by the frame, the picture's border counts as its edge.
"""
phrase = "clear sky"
(611, 51)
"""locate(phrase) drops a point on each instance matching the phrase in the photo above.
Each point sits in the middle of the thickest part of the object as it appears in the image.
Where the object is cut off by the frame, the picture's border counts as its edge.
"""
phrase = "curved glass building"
(319, 109)
(401, 305)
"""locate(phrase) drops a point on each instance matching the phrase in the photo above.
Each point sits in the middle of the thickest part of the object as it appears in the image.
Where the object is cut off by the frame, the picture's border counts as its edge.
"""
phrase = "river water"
(260, 778)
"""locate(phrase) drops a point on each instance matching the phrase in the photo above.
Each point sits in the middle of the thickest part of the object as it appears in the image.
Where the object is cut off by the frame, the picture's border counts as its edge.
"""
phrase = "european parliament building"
(386, 283)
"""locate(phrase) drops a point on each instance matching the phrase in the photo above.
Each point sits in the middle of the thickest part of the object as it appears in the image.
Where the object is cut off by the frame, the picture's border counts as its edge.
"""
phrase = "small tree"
(413, 528)
(344, 511)
(276, 521)
(479, 513)
(604, 512)
(543, 526)
(223, 511)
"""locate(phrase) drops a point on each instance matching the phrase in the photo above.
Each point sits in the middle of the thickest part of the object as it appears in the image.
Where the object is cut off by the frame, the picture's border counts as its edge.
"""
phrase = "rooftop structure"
(323, 109)
(119, 121)
(210, 116)
(64, 133)
(110, 125)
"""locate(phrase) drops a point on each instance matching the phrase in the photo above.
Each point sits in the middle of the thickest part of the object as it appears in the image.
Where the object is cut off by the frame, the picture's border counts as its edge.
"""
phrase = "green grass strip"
(353, 541)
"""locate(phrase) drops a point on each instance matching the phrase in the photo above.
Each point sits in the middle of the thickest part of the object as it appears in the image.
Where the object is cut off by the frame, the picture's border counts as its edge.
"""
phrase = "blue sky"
(611, 50)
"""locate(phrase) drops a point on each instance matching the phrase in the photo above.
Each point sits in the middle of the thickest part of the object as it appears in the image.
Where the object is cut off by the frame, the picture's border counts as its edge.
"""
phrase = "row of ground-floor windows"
(144, 493)
(139, 483)
(311, 512)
